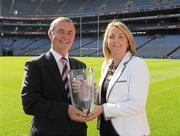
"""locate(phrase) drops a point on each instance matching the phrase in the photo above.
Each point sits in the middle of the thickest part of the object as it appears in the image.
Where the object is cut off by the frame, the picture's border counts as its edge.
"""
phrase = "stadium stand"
(175, 54)
(155, 25)
(160, 46)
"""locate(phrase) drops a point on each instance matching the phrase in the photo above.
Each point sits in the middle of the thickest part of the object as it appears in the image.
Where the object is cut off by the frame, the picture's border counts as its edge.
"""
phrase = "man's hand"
(76, 85)
(76, 115)
(95, 113)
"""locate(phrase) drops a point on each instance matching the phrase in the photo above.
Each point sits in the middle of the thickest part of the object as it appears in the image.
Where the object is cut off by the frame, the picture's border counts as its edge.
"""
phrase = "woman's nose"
(114, 41)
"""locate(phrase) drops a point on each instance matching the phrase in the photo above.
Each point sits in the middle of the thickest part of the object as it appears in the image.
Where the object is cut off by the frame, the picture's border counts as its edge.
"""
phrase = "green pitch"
(163, 106)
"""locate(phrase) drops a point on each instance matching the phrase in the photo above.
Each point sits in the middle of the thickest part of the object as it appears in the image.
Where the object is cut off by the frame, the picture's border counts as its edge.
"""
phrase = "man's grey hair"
(57, 20)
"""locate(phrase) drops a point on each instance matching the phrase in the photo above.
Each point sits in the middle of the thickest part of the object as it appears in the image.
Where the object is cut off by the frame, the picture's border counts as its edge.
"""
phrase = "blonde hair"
(125, 29)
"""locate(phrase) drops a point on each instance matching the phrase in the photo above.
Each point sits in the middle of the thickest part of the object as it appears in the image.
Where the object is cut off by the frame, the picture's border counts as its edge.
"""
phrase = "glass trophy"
(82, 89)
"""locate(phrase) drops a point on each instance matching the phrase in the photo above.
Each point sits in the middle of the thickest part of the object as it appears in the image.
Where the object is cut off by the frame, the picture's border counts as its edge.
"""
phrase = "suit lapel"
(72, 63)
(54, 70)
(117, 74)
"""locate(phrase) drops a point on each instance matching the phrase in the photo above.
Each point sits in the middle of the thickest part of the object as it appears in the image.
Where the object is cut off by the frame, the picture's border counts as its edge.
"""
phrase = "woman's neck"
(117, 58)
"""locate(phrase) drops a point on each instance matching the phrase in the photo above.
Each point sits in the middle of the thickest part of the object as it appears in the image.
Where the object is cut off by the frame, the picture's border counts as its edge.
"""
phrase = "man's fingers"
(80, 118)
(75, 86)
(90, 118)
(80, 113)
(77, 115)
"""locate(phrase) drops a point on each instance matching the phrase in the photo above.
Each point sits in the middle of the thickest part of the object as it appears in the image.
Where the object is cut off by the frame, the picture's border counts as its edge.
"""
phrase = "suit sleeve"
(32, 98)
(137, 93)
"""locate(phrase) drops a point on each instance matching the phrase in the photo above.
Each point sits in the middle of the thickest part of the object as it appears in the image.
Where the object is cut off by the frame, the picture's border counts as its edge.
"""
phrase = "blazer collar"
(117, 73)
(123, 62)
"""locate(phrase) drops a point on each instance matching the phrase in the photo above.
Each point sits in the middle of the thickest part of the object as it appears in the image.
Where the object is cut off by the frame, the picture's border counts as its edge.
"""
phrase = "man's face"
(62, 36)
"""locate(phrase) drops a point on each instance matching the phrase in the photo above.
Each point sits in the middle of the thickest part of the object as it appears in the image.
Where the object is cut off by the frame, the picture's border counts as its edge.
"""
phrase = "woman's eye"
(121, 37)
(111, 37)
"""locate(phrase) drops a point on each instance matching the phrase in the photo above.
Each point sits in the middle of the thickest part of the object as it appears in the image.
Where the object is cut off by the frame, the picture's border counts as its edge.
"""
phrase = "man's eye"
(60, 32)
(70, 33)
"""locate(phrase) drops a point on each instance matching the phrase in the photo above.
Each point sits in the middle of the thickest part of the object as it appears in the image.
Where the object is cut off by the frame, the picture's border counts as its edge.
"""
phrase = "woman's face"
(117, 41)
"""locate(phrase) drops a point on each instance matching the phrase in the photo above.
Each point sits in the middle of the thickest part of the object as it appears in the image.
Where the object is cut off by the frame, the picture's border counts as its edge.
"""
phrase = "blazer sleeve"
(33, 101)
(137, 92)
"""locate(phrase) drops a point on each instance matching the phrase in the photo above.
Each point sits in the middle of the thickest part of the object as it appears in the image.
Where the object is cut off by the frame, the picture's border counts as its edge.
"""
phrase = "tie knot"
(64, 60)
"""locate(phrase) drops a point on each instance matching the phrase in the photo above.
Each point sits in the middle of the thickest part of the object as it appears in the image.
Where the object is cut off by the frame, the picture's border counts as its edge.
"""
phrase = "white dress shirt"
(58, 57)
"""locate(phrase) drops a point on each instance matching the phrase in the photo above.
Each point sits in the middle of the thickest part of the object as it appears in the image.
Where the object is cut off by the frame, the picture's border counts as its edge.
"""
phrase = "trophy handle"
(91, 70)
(71, 94)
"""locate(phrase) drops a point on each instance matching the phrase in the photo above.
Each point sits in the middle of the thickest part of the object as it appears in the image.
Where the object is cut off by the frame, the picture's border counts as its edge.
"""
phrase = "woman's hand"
(95, 113)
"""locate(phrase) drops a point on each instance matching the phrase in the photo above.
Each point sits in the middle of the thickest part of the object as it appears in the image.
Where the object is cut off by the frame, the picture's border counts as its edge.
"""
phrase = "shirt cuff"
(104, 114)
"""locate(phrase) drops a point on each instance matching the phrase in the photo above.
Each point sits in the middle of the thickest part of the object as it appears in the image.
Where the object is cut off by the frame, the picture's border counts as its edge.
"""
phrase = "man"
(45, 91)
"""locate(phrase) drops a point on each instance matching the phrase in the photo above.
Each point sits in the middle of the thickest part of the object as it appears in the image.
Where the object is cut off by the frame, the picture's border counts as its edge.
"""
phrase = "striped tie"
(65, 75)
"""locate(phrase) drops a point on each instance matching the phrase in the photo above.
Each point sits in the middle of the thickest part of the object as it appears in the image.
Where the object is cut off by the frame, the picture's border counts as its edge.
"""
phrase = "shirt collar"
(57, 56)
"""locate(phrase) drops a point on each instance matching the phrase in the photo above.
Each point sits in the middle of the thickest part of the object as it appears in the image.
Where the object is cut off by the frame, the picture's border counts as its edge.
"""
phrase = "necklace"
(111, 70)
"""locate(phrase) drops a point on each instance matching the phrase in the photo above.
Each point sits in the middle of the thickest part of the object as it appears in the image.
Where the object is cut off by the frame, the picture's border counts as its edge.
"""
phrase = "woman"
(124, 86)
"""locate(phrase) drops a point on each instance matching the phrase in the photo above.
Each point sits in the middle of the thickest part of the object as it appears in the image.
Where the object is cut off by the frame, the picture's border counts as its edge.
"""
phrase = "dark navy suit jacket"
(44, 97)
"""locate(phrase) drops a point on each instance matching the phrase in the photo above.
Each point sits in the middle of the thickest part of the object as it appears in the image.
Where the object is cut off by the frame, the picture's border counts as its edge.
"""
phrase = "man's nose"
(65, 36)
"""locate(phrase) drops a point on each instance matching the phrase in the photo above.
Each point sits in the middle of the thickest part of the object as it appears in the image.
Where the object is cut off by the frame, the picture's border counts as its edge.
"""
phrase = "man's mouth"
(64, 42)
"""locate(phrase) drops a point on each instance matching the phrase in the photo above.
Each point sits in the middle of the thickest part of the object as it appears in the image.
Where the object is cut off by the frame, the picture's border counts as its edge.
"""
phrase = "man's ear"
(50, 34)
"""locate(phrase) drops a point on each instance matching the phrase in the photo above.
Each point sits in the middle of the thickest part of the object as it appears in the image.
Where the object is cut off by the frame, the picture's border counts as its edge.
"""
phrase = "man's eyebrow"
(60, 29)
(70, 31)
